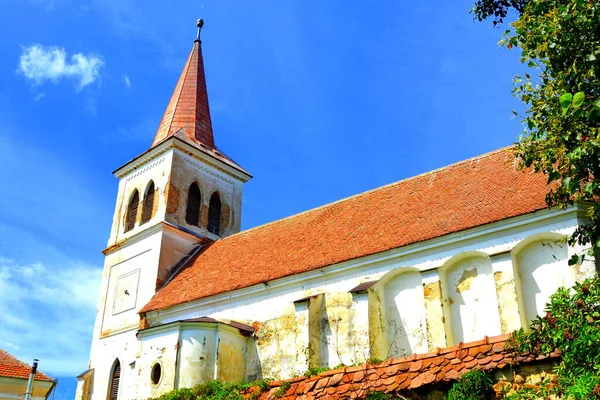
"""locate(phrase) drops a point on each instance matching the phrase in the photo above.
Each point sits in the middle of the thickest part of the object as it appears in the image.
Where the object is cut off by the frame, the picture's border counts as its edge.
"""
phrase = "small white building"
(14, 376)
(450, 256)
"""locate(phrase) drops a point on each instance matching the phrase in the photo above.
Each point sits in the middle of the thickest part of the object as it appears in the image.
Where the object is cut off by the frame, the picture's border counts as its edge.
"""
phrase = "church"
(452, 259)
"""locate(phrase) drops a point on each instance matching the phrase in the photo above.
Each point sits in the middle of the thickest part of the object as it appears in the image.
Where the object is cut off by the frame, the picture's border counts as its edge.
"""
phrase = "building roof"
(188, 108)
(399, 374)
(471, 193)
(11, 367)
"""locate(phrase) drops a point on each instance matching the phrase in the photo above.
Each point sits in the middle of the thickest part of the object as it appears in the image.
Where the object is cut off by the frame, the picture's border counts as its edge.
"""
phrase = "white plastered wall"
(538, 263)
(115, 332)
(136, 263)
(404, 313)
(156, 166)
(162, 348)
(470, 298)
(190, 353)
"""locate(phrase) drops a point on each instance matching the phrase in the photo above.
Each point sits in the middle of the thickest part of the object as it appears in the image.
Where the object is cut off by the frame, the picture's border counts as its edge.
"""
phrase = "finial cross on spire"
(199, 24)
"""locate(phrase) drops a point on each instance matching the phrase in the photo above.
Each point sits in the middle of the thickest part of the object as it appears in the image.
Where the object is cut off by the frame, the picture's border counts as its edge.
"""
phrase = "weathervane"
(199, 24)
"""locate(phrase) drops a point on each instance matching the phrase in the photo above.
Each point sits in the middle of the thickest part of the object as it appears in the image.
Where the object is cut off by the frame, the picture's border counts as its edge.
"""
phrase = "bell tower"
(173, 200)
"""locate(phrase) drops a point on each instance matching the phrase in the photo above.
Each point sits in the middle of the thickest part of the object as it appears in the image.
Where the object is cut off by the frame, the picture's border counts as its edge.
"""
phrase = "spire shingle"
(188, 108)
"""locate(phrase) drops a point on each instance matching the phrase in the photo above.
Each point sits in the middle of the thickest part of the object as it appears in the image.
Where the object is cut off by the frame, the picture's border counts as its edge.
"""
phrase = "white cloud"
(126, 81)
(49, 267)
(40, 64)
(48, 312)
(13, 346)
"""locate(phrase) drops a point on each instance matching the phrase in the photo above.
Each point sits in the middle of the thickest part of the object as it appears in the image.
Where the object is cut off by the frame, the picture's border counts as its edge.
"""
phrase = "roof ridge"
(411, 178)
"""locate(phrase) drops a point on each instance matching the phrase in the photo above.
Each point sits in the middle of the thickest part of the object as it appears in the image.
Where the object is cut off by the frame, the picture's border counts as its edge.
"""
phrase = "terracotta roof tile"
(421, 370)
(11, 367)
(461, 196)
(336, 379)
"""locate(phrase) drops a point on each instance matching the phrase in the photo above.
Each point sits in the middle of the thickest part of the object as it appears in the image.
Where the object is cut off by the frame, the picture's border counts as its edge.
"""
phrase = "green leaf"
(590, 188)
(565, 101)
(578, 99)
(594, 114)
(574, 259)
(553, 175)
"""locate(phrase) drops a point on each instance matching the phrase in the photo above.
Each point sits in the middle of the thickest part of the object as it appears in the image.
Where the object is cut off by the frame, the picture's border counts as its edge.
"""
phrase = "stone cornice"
(176, 143)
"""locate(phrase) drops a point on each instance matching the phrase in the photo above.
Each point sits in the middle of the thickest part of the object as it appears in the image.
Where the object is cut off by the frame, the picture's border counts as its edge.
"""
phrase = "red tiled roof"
(464, 195)
(188, 107)
(11, 367)
(399, 374)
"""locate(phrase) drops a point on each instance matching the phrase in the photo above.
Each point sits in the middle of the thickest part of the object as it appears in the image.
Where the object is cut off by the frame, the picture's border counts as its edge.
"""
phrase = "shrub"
(473, 385)
(571, 325)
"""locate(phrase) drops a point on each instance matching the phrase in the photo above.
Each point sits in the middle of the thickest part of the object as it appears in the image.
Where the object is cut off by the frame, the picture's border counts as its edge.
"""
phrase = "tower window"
(132, 209)
(113, 390)
(192, 215)
(214, 214)
(148, 205)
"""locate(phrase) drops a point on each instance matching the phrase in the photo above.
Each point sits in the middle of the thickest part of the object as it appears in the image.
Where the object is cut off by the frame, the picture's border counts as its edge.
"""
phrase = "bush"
(571, 325)
(216, 390)
(473, 385)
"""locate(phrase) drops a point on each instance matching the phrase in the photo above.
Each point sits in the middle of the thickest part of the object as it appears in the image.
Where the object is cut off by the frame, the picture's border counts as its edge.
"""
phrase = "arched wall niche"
(540, 265)
(469, 298)
(403, 313)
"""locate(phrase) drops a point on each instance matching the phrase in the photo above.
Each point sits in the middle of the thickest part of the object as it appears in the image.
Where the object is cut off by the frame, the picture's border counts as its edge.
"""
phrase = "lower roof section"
(395, 375)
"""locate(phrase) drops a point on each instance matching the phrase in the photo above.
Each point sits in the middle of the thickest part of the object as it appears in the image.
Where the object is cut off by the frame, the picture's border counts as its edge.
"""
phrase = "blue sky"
(318, 100)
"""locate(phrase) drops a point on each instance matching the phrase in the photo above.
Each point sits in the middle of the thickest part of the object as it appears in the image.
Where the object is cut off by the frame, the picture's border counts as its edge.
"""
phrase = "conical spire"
(188, 108)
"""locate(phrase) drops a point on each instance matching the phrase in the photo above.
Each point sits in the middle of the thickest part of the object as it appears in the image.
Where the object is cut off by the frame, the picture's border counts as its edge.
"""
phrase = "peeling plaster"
(465, 280)
(172, 194)
(436, 335)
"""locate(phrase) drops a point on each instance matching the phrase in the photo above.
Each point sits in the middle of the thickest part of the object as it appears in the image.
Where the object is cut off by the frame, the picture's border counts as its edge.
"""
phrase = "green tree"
(497, 9)
(560, 43)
